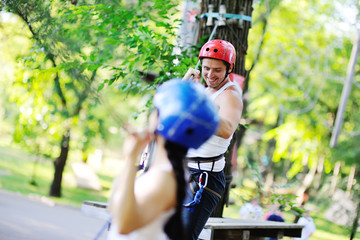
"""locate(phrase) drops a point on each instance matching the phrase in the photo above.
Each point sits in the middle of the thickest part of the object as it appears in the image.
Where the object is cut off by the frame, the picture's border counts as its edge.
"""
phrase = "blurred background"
(72, 73)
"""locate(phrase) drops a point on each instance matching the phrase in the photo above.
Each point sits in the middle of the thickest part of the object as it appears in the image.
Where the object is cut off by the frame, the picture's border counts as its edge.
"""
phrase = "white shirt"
(213, 147)
(309, 228)
(251, 211)
(152, 231)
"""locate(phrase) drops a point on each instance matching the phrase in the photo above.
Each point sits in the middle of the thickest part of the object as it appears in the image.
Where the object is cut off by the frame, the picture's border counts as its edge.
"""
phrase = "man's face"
(213, 71)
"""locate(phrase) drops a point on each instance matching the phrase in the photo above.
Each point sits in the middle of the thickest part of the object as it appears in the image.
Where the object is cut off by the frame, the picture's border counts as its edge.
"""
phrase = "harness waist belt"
(194, 187)
(207, 159)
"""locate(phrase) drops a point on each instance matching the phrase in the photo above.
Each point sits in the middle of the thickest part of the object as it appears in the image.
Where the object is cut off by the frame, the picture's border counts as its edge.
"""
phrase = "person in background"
(206, 164)
(275, 210)
(148, 207)
(251, 210)
(309, 226)
(276, 215)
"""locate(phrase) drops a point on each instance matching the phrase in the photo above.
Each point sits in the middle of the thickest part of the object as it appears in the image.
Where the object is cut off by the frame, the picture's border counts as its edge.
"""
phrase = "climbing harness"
(226, 15)
(146, 157)
(222, 16)
(198, 195)
(200, 160)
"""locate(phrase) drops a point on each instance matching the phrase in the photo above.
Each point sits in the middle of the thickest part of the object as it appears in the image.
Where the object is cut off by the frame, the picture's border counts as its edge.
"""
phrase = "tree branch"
(84, 94)
(49, 55)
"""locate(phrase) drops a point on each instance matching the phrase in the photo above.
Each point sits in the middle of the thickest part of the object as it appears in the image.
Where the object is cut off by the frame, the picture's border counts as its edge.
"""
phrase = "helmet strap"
(226, 75)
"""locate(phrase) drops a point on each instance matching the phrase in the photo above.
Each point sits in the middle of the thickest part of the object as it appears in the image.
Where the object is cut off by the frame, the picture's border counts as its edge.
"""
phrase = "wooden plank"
(248, 229)
(220, 228)
(246, 235)
(206, 234)
(95, 209)
(231, 235)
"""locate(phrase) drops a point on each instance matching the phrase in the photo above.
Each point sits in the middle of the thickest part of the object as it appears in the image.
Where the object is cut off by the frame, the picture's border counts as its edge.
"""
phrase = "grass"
(17, 169)
(17, 173)
(326, 230)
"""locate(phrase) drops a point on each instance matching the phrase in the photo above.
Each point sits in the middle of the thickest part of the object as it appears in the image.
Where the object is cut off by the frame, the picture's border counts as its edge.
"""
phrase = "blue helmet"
(186, 114)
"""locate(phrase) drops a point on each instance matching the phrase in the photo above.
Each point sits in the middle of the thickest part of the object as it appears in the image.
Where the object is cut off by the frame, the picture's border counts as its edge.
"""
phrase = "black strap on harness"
(207, 159)
(194, 186)
(199, 160)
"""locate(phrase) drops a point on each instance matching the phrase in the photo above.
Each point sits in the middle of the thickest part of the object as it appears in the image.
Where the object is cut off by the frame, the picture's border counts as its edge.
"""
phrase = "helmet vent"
(189, 131)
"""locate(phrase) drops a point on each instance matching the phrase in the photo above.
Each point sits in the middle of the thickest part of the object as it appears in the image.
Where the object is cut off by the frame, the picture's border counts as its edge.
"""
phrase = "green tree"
(296, 86)
(75, 47)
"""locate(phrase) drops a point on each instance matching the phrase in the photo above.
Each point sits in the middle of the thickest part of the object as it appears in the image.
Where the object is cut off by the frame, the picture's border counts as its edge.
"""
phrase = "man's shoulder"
(232, 93)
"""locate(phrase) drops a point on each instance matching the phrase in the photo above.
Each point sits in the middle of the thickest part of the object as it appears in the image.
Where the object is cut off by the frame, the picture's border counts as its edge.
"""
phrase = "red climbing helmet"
(219, 49)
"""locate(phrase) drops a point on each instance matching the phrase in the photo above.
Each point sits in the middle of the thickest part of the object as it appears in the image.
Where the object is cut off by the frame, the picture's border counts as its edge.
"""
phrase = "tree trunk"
(84, 155)
(351, 180)
(269, 174)
(356, 222)
(319, 174)
(59, 165)
(232, 32)
(334, 178)
(308, 180)
(236, 33)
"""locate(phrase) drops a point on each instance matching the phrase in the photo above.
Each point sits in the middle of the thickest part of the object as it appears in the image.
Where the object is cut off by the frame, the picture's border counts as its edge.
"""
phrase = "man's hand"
(192, 74)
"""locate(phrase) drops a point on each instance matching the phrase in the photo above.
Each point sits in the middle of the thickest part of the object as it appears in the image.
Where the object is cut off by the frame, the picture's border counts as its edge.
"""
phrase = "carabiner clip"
(201, 178)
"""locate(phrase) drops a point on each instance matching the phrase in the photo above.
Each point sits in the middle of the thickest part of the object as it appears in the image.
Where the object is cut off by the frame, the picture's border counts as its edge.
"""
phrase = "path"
(22, 218)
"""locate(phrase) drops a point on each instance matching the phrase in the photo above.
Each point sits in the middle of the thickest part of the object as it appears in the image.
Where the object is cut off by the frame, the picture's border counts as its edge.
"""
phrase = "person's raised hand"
(192, 74)
(136, 142)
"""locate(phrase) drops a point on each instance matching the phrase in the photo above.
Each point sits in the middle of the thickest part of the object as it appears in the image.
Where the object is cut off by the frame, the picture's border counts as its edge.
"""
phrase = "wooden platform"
(220, 228)
(247, 229)
(95, 209)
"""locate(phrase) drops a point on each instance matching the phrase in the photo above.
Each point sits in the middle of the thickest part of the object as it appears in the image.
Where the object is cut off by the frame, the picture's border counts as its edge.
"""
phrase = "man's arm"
(230, 107)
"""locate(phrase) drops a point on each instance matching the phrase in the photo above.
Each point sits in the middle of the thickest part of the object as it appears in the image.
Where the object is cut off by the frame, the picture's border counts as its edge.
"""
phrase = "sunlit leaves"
(295, 88)
(143, 39)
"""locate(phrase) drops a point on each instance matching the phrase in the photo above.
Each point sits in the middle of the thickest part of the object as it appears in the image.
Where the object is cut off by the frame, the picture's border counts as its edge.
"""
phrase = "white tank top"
(213, 147)
(152, 231)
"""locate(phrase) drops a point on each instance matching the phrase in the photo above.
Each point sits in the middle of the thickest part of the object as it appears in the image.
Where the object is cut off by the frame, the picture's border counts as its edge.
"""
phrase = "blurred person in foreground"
(150, 206)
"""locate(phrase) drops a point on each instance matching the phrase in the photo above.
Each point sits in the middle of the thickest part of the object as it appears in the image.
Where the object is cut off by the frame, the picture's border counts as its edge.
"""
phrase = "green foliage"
(78, 50)
(346, 151)
(304, 55)
(299, 141)
(77, 54)
(294, 92)
(141, 37)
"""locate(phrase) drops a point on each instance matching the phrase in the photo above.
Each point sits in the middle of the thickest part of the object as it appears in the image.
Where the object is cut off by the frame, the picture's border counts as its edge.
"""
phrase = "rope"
(211, 36)
(103, 228)
(236, 36)
(198, 195)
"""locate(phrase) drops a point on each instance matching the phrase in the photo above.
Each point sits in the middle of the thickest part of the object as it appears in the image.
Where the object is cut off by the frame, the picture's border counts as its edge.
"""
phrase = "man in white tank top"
(218, 60)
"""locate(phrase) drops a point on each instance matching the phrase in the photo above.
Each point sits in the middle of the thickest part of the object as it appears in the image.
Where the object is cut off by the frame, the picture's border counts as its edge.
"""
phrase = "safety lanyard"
(203, 180)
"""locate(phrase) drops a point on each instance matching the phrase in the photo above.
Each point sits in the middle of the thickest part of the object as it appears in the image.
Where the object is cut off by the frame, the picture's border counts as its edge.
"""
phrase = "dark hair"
(174, 227)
